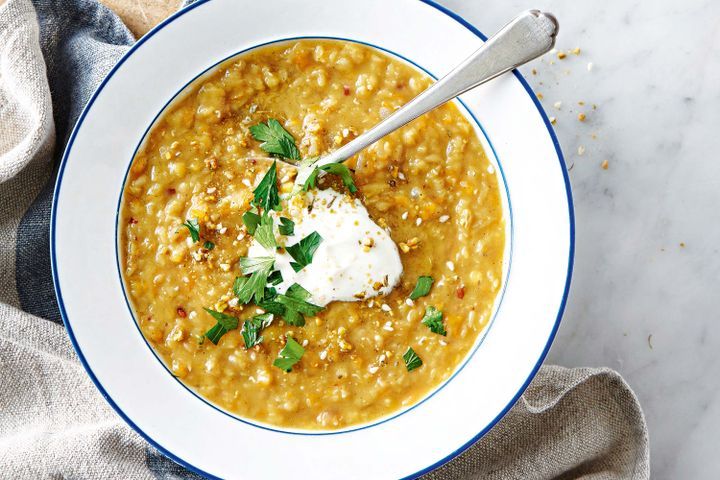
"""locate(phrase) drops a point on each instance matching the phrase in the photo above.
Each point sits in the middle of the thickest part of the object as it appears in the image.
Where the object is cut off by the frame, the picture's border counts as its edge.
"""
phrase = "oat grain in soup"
(317, 305)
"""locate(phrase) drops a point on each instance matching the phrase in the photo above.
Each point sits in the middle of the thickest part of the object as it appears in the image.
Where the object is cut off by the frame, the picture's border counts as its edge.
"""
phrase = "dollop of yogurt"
(356, 259)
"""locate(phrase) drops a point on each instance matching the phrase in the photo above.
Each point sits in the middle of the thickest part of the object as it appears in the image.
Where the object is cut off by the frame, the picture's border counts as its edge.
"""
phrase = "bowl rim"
(461, 448)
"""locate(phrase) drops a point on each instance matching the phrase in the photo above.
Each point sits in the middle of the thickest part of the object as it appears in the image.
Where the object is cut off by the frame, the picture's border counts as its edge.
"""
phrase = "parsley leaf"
(276, 140)
(224, 324)
(253, 264)
(264, 233)
(422, 287)
(251, 221)
(266, 194)
(433, 319)
(412, 361)
(291, 353)
(296, 305)
(251, 329)
(303, 251)
(194, 228)
(208, 245)
(311, 181)
(275, 278)
(247, 288)
(339, 169)
(286, 227)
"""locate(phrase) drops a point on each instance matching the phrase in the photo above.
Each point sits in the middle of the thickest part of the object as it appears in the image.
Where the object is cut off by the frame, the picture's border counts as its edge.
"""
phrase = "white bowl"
(538, 207)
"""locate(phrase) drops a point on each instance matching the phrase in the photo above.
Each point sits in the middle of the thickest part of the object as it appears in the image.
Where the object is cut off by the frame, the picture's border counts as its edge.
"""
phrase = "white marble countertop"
(645, 296)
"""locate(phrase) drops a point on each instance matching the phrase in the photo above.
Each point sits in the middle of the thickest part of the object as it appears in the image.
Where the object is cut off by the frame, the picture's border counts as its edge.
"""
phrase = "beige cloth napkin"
(570, 423)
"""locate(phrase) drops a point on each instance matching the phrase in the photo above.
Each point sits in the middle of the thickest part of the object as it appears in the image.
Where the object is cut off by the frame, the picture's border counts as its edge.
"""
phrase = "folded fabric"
(570, 423)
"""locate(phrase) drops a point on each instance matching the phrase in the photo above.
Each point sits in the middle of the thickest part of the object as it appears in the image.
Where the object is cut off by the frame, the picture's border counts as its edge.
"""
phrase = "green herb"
(194, 228)
(303, 251)
(274, 307)
(296, 305)
(266, 194)
(251, 221)
(253, 264)
(286, 227)
(276, 140)
(339, 169)
(422, 287)
(251, 329)
(433, 319)
(247, 288)
(224, 324)
(275, 278)
(311, 181)
(264, 233)
(291, 353)
(412, 361)
(209, 245)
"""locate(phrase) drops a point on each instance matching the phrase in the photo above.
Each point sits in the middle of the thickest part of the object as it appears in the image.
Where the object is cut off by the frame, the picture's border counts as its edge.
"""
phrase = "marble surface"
(645, 297)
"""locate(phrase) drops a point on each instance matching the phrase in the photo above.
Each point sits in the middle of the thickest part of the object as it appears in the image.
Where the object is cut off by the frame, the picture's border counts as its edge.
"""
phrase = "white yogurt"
(356, 259)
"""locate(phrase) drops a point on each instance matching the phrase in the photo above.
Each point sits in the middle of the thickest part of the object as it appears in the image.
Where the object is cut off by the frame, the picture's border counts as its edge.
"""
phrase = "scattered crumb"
(581, 103)
(581, 150)
(590, 66)
(576, 50)
(557, 105)
(553, 120)
(604, 164)
(581, 117)
(539, 95)
(561, 55)
(534, 72)
(682, 244)
(650, 341)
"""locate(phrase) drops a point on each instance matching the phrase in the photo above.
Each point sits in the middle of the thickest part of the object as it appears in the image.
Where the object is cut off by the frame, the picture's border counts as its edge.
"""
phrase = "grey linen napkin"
(570, 423)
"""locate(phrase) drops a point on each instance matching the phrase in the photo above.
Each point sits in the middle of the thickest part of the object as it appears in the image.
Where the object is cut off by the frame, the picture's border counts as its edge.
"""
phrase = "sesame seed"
(246, 182)
(444, 218)
(404, 216)
(409, 302)
(373, 369)
(323, 355)
(450, 265)
(418, 221)
(385, 307)
(305, 343)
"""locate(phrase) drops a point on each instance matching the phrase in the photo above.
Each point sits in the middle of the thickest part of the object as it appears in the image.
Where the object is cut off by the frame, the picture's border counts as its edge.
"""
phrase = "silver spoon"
(530, 35)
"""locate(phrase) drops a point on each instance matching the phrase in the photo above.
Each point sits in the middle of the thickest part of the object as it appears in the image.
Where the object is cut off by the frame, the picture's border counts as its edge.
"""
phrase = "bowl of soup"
(235, 303)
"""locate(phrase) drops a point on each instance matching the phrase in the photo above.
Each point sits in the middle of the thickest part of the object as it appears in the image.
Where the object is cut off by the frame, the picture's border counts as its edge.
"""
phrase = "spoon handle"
(525, 38)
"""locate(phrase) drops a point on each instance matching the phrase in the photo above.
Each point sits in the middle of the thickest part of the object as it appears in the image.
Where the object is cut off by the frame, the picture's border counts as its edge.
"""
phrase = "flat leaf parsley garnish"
(291, 354)
(194, 227)
(208, 245)
(264, 233)
(276, 140)
(224, 324)
(433, 319)
(422, 287)
(253, 264)
(251, 221)
(339, 169)
(292, 306)
(266, 194)
(246, 288)
(303, 251)
(412, 361)
(286, 227)
(252, 327)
